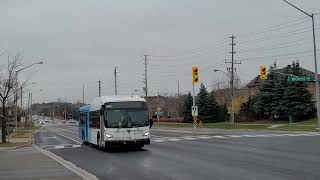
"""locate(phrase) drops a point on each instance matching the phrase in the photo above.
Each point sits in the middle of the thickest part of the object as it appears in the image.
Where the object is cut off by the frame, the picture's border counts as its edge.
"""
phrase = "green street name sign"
(300, 78)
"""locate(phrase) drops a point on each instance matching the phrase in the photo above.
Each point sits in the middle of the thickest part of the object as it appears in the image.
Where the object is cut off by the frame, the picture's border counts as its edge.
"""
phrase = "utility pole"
(115, 81)
(146, 74)
(65, 108)
(58, 108)
(28, 111)
(178, 89)
(158, 110)
(315, 59)
(178, 100)
(233, 62)
(21, 104)
(83, 93)
(99, 84)
(16, 89)
(30, 106)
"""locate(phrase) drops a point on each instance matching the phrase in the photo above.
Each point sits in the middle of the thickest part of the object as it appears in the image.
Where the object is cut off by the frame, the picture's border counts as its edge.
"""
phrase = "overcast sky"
(81, 41)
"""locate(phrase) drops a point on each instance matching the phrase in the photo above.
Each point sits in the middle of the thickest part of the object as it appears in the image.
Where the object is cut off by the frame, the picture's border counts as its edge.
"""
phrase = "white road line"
(174, 139)
(68, 137)
(158, 140)
(275, 135)
(293, 135)
(58, 147)
(189, 138)
(266, 135)
(53, 137)
(249, 136)
(76, 146)
(219, 137)
(234, 136)
(306, 134)
(204, 137)
(67, 164)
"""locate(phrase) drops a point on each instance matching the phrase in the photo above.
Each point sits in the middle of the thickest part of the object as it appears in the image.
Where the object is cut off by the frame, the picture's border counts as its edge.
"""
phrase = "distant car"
(64, 121)
(72, 121)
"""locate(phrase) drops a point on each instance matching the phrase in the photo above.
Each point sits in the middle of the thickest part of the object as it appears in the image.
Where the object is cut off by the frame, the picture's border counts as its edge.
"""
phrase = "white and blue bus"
(115, 121)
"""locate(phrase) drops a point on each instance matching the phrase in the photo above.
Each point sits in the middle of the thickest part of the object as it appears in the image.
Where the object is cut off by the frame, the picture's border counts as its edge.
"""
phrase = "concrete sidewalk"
(29, 163)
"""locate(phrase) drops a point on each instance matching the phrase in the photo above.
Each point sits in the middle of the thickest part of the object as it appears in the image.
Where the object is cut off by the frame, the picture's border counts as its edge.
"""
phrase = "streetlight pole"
(315, 59)
(232, 93)
(16, 94)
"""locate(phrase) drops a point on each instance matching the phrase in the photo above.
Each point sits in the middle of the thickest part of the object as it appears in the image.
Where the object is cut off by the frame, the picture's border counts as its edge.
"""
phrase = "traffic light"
(263, 72)
(195, 74)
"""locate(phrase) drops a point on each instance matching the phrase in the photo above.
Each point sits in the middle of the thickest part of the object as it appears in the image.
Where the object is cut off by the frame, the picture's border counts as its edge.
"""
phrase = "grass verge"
(20, 137)
(11, 144)
(242, 126)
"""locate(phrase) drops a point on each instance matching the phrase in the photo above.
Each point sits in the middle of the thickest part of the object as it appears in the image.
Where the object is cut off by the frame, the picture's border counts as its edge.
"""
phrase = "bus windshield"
(126, 118)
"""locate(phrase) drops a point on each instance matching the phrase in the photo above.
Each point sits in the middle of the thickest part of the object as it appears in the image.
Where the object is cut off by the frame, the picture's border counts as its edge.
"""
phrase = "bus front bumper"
(138, 142)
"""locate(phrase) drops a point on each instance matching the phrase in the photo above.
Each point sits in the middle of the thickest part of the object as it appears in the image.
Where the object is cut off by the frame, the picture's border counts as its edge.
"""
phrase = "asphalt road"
(180, 155)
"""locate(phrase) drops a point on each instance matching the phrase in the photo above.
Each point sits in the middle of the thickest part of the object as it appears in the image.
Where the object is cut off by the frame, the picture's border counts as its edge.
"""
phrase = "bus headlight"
(109, 136)
(146, 134)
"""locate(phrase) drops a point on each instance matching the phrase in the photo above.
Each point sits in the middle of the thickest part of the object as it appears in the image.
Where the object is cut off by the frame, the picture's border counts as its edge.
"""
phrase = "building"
(169, 107)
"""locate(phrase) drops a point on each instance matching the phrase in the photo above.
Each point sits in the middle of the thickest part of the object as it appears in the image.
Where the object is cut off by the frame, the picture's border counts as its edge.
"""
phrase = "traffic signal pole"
(194, 104)
(194, 109)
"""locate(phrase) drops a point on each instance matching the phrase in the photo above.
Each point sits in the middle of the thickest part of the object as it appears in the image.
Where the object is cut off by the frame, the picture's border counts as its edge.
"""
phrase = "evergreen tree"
(263, 106)
(222, 113)
(278, 108)
(297, 98)
(202, 103)
(187, 109)
(213, 108)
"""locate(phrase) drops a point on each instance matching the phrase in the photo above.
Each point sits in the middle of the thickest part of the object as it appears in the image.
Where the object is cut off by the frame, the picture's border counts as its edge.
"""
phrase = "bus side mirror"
(102, 110)
(151, 123)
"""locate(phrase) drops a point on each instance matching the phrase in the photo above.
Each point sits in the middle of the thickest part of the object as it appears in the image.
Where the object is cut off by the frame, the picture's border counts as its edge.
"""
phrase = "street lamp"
(17, 88)
(232, 94)
(315, 59)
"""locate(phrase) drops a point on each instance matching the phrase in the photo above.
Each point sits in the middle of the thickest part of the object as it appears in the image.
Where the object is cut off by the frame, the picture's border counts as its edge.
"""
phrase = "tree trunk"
(4, 123)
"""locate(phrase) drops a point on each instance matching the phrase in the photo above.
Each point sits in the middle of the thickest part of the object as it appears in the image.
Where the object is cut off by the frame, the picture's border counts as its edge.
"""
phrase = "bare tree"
(8, 82)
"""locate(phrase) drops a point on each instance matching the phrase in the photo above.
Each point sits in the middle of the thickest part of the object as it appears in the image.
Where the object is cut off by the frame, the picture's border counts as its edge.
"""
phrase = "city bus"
(115, 121)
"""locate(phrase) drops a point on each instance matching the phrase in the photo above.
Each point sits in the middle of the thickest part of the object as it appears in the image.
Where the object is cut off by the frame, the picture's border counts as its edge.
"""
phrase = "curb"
(67, 164)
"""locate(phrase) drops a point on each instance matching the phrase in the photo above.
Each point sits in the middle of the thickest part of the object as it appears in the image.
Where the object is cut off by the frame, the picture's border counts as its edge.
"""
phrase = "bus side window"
(82, 118)
(94, 119)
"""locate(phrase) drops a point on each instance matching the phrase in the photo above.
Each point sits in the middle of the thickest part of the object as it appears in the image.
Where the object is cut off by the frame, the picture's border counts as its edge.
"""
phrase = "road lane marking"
(249, 136)
(68, 137)
(204, 137)
(234, 136)
(219, 137)
(189, 138)
(53, 137)
(67, 164)
(158, 140)
(306, 134)
(58, 147)
(76, 146)
(174, 139)
(293, 135)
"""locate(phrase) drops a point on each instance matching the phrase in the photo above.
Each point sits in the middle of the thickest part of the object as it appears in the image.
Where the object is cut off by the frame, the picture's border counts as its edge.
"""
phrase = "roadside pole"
(194, 108)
